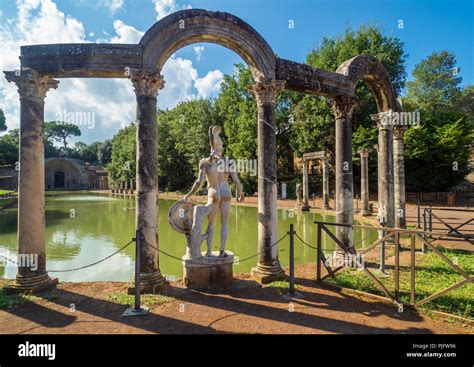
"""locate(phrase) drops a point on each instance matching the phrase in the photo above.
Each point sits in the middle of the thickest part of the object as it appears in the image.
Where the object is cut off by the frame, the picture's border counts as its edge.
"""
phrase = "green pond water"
(102, 224)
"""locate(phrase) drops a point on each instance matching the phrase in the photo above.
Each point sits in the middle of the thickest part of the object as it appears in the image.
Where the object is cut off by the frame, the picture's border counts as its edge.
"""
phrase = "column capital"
(265, 90)
(383, 119)
(343, 106)
(398, 132)
(31, 84)
(146, 82)
(364, 152)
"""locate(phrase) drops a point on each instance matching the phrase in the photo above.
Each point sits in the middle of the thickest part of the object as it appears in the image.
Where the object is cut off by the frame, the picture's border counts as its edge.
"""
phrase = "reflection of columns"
(32, 88)
(268, 266)
(399, 176)
(146, 85)
(385, 169)
(343, 108)
(325, 168)
(305, 205)
(364, 181)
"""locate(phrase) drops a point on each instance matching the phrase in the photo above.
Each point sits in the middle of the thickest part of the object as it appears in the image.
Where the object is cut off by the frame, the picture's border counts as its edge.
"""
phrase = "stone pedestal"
(209, 271)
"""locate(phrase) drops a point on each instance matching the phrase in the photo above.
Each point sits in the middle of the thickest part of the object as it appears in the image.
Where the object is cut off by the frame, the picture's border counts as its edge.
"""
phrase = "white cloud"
(166, 7)
(111, 100)
(112, 5)
(47, 25)
(198, 50)
(210, 85)
(125, 33)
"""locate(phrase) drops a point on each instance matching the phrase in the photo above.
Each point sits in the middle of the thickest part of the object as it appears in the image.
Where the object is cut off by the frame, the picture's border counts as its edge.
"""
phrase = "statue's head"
(217, 148)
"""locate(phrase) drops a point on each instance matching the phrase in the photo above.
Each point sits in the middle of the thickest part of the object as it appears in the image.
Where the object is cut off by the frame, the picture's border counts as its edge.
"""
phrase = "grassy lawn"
(5, 191)
(12, 300)
(125, 299)
(432, 275)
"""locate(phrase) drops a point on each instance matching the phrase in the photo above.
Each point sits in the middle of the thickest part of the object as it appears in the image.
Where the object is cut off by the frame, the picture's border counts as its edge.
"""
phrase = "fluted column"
(32, 88)
(399, 176)
(305, 205)
(147, 84)
(385, 169)
(325, 168)
(268, 267)
(343, 108)
(364, 182)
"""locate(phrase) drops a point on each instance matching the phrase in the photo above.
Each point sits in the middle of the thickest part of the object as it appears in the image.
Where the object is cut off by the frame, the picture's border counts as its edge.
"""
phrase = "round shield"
(180, 216)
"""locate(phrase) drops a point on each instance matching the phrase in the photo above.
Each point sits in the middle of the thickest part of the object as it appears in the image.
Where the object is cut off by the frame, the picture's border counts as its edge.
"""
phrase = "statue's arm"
(238, 184)
(200, 180)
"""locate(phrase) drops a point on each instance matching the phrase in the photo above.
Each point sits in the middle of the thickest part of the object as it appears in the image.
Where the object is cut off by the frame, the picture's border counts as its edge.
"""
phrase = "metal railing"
(393, 234)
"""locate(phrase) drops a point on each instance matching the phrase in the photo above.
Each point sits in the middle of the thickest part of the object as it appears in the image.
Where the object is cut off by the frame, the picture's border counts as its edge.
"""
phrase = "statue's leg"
(195, 241)
(212, 216)
(225, 211)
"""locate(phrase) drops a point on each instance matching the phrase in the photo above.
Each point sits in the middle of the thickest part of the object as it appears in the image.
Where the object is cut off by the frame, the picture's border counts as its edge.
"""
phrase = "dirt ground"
(245, 307)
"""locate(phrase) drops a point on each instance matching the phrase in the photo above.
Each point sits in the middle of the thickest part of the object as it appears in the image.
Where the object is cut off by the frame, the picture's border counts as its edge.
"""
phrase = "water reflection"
(82, 228)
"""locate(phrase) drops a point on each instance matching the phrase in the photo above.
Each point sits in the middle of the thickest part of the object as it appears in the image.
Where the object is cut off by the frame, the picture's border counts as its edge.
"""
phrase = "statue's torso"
(217, 181)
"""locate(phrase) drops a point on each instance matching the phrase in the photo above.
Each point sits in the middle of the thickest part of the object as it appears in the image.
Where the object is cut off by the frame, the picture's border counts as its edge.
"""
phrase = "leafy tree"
(437, 153)
(3, 123)
(60, 131)
(174, 171)
(104, 153)
(123, 157)
(9, 144)
(313, 127)
(316, 112)
(436, 83)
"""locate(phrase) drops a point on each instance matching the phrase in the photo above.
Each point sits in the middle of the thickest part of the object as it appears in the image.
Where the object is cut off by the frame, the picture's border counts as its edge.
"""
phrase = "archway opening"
(58, 180)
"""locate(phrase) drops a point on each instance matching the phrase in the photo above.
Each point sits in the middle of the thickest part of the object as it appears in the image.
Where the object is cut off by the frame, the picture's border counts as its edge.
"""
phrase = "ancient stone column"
(32, 88)
(385, 169)
(147, 84)
(364, 182)
(399, 176)
(305, 205)
(343, 108)
(326, 183)
(268, 267)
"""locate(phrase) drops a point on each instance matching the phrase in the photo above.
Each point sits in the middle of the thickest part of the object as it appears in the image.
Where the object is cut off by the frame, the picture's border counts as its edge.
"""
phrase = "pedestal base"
(150, 283)
(31, 284)
(209, 271)
(268, 273)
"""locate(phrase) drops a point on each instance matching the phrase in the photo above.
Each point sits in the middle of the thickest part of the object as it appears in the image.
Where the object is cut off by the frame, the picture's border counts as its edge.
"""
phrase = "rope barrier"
(8, 259)
(79, 268)
(199, 263)
(92, 264)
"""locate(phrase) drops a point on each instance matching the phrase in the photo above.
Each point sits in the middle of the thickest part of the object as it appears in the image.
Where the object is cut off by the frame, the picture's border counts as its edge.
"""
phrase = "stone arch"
(190, 26)
(369, 69)
(73, 174)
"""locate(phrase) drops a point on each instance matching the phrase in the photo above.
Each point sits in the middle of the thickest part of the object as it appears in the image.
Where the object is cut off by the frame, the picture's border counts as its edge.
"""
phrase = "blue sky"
(427, 26)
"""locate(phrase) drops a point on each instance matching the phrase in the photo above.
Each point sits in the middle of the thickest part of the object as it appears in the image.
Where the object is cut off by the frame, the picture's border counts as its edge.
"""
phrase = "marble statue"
(216, 170)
